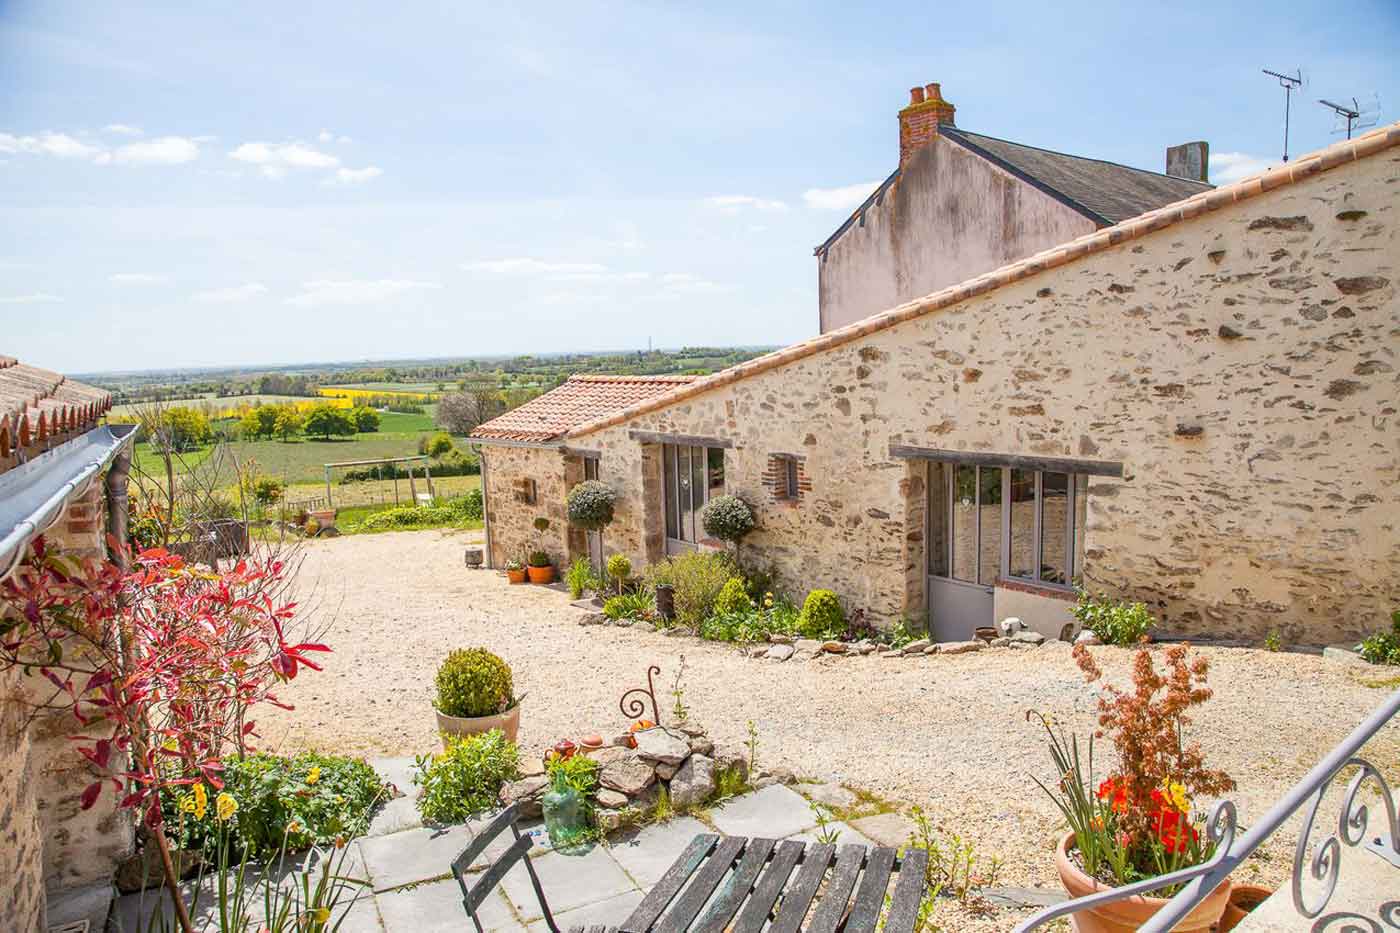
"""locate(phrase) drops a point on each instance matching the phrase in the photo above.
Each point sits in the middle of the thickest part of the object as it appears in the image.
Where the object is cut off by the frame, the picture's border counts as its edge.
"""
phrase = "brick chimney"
(1189, 160)
(918, 123)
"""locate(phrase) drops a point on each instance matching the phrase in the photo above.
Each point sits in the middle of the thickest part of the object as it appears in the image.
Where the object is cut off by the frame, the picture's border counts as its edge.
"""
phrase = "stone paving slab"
(775, 812)
(844, 834)
(397, 815)
(610, 912)
(437, 908)
(399, 772)
(415, 854)
(646, 853)
(888, 829)
(569, 881)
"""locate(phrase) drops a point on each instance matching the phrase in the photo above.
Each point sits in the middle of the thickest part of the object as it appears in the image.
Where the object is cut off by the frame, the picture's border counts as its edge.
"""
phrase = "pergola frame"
(412, 487)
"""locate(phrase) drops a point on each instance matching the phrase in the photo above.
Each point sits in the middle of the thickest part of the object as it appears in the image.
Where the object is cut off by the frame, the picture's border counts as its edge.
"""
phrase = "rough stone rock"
(833, 795)
(527, 793)
(666, 772)
(779, 639)
(892, 653)
(692, 729)
(1029, 636)
(807, 644)
(608, 753)
(806, 655)
(934, 648)
(775, 775)
(143, 869)
(834, 647)
(611, 799)
(1087, 637)
(960, 647)
(622, 741)
(998, 643)
(630, 775)
(867, 648)
(612, 820)
(693, 783)
(592, 618)
(643, 625)
(1345, 654)
(1011, 625)
(701, 745)
(916, 647)
(736, 759)
(675, 631)
(779, 652)
(1021, 644)
(662, 744)
(1053, 643)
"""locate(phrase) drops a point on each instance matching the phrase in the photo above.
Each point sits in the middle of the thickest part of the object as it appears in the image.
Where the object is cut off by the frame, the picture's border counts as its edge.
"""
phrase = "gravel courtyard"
(946, 732)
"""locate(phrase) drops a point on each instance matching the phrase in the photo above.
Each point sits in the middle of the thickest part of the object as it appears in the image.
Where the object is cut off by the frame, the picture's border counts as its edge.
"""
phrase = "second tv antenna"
(1288, 83)
(1357, 119)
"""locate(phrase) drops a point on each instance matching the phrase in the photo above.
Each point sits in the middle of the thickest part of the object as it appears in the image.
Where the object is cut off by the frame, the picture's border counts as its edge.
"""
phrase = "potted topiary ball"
(476, 693)
(727, 518)
(591, 505)
(539, 567)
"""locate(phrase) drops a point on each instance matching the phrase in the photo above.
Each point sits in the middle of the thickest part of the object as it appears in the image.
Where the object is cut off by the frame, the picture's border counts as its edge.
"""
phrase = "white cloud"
(274, 159)
(1227, 167)
(34, 298)
(736, 202)
(59, 145)
(356, 291)
(533, 267)
(325, 136)
(122, 129)
(232, 294)
(135, 278)
(168, 150)
(845, 198)
(354, 176)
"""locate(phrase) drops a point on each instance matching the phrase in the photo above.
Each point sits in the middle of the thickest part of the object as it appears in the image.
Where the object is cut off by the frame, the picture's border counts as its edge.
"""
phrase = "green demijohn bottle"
(564, 816)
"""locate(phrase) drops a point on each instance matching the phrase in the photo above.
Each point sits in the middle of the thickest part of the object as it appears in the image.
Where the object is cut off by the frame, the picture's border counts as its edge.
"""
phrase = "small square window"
(784, 477)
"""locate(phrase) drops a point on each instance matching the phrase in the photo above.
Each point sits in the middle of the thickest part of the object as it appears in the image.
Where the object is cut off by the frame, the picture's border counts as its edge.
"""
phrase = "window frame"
(673, 458)
(1038, 530)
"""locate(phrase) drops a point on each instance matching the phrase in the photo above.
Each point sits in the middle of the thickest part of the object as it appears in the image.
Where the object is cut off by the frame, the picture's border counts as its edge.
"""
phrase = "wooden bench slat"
(770, 885)
(799, 897)
(702, 885)
(486, 882)
(675, 878)
(908, 892)
(736, 888)
(831, 909)
(870, 895)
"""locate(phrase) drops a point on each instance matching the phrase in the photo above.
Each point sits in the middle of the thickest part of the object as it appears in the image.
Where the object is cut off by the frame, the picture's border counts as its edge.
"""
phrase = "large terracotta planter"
(1130, 914)
(508, 722)
(516, 576)
(543, 574)
(1243, 899)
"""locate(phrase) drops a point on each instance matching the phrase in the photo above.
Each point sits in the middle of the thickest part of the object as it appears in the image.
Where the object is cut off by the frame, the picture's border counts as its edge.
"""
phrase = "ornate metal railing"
(1325, 865)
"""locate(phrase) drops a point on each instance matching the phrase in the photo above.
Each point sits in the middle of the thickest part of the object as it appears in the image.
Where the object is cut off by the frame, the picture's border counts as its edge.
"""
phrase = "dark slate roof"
(1105, 192)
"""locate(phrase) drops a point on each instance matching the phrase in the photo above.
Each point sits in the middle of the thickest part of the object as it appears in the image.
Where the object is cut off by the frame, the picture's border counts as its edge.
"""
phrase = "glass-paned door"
(690, 477)
(964, 547)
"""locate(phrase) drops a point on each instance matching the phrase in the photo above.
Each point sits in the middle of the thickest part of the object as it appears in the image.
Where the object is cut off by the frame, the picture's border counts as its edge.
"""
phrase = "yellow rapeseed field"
(337, 392)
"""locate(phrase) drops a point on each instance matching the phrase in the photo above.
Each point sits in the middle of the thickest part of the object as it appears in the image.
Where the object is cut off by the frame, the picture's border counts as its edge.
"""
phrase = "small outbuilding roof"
(39, 407)
(580, 400)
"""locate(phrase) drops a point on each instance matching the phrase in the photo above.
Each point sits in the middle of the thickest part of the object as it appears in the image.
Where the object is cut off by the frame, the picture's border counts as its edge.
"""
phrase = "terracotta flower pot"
(1243, 899)
(508, 722)
(516, 576)
(1127, 915)
(540, 574)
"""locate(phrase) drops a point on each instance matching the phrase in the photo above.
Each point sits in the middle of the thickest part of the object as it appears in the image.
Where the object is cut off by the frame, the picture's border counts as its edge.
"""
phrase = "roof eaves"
(1034, 182)
(1204, 202)
(874, 198)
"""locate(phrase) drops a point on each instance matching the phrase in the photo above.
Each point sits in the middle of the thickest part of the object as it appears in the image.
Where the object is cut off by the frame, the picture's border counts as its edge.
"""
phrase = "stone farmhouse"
(962, 203)
(1196, 407)
(62, 475)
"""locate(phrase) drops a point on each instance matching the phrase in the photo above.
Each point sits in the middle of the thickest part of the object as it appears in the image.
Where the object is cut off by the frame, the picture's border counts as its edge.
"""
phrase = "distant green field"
(390, 387)
(394, 422)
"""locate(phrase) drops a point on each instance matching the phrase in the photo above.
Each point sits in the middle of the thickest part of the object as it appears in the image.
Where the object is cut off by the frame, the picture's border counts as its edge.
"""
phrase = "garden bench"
(750, 876)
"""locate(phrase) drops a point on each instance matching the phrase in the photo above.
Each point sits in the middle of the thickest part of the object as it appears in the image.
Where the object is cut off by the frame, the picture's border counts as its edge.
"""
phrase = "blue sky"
(262, 183)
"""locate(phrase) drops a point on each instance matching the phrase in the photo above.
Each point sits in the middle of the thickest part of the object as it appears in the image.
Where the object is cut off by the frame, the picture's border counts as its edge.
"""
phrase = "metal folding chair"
(475, 892)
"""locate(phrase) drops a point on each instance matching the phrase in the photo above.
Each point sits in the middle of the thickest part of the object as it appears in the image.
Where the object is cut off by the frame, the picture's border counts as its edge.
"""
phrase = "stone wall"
(511, 516)
(22, 902)
(1241, 366)
(950, 215)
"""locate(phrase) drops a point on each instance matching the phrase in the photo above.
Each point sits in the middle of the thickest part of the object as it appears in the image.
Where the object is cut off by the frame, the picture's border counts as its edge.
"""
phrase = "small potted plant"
(475, 694)
(538, 566)
(1138, 822)
(515, 571)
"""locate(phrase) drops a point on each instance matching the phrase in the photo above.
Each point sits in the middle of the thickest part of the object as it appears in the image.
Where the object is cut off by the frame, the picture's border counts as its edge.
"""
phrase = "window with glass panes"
(691, 476)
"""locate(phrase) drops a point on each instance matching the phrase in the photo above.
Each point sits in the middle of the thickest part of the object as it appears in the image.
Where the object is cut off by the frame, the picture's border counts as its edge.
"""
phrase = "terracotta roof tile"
(36, 405)
(578, 401)
(1377, 140)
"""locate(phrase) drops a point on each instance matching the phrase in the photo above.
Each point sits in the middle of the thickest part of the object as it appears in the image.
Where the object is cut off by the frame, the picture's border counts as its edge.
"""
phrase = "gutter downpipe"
(485, 503)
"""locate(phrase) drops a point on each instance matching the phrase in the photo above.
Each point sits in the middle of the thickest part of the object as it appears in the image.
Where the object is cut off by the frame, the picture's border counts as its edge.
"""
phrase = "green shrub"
(619, 569)
(538, 559)
(581, 578)
(638, 605)
(591, 504)
(267, 489)
(821, 615)
(474, 682)
(467, 777)
(1114, 622)
(1383, 647)
(577, 771)
(727, 518)
(697, 578)
(436, 445)
(751, 626)
(733, 598)
(309, 799)
(457, 511)
(367, 420)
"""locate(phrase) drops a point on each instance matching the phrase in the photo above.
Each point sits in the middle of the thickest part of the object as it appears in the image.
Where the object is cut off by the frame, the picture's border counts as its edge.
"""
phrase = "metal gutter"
(34, 495)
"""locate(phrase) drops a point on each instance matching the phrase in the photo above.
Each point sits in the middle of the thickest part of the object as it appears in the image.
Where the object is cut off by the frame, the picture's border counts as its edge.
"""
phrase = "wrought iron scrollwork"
(1326, 863)
(633, 705)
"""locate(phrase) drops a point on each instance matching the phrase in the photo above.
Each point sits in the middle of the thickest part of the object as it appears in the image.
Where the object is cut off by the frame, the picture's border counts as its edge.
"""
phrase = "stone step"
(1366, 885)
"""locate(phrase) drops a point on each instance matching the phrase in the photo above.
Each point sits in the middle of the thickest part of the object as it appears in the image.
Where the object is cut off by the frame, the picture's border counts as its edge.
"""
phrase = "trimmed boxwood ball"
(733, 597)
(591, 504)
(474, 682)
(727, 518)
(821, 615)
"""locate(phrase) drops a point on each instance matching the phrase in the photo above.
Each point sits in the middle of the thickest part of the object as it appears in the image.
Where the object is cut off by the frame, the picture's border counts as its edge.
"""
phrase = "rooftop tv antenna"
(1288, 83)
(1357, 119)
